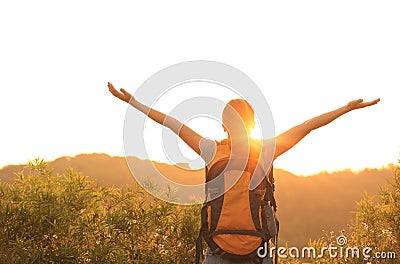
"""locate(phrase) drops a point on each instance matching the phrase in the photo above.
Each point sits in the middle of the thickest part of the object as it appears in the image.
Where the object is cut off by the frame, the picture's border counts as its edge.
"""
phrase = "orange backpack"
(236, 222)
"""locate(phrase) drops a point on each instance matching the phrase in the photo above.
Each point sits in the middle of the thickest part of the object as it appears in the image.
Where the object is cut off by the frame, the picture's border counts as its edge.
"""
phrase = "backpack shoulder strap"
(270, 188)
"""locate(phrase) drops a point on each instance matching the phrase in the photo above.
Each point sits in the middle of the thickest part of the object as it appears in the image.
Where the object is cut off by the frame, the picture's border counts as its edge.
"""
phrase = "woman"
(238, 121)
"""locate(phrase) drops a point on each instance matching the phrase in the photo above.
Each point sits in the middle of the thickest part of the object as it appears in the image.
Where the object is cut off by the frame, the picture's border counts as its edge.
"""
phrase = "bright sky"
(308, 57)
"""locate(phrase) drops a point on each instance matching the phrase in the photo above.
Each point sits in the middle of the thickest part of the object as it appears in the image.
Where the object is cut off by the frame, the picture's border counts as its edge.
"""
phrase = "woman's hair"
(238, 107)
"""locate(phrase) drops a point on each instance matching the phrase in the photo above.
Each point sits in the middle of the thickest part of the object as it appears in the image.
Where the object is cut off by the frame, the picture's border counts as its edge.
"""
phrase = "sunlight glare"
(256, 132)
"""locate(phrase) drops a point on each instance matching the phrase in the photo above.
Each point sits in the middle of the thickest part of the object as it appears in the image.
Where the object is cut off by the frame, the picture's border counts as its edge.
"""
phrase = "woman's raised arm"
(190, 137)
(290, 138)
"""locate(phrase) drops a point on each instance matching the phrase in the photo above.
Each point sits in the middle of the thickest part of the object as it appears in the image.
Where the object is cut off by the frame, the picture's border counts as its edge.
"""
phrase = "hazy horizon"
(388, 165)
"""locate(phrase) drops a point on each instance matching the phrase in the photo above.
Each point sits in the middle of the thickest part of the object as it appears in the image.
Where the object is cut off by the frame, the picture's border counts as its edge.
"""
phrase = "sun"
(255, 133)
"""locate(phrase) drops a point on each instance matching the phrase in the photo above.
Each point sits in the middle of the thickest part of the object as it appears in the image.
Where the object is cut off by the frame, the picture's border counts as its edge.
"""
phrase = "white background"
(308, 57)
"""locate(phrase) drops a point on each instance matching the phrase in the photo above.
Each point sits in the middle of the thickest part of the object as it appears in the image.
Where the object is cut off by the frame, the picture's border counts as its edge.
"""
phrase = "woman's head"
(238, 117)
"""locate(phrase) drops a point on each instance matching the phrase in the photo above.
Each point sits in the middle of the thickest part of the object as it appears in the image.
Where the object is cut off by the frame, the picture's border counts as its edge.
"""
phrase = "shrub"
(67, 218)
(377, 226)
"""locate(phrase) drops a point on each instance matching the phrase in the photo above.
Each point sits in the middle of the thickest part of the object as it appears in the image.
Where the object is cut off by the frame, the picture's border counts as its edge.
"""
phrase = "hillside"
(306, 205)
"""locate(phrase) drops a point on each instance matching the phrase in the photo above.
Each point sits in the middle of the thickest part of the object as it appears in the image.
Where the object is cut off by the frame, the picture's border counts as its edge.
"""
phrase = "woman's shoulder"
(208, 141)
(223, 142)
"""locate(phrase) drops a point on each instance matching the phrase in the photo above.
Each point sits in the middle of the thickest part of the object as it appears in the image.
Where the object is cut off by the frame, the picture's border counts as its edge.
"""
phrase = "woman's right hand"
(356, 104)
(121, 94)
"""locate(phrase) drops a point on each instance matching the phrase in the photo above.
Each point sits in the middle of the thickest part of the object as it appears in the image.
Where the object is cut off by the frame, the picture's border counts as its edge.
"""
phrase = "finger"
(374, 101)
(369, 103)
(112, 89)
